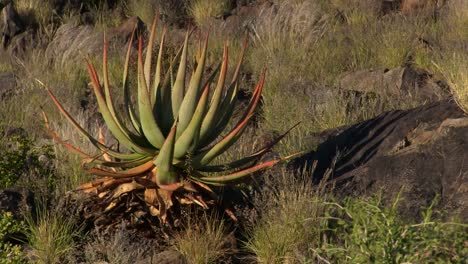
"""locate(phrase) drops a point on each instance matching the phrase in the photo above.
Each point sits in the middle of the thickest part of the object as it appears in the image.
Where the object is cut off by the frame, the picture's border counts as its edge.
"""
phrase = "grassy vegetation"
(308, 42)
(291, 211)
(204, 10)
(10, 253)
(301, 224)
(115, 248)
(203, 240)
(305, 46)
(50, 235)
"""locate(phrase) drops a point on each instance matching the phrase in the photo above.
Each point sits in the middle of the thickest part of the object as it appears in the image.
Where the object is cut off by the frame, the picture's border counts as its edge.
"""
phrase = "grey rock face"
(422, 152)
(400, 82)
(12, 24)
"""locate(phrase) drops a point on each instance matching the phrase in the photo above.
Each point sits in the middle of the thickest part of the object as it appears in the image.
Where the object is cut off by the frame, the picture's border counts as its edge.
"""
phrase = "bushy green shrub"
(21, 157)
(367, 231)
(10, 253)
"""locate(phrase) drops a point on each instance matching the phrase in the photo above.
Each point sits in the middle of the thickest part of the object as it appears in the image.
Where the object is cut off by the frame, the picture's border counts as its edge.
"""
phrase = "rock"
(21, 42)
(73, 42)
(18, 201)
(412, 6)
(7, 85)
(239, 20)
(390, 6)
(422, 150)
(12, 23)
(165, 257)
(400, 83)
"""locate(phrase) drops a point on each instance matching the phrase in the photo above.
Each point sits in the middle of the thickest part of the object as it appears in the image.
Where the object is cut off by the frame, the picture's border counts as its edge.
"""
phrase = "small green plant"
(455, 70)
(20, 157)
(367, 231)
(202, 241)
(9, 227)
(203, 10)
(50, 236)
(173, 138)
(290, 220)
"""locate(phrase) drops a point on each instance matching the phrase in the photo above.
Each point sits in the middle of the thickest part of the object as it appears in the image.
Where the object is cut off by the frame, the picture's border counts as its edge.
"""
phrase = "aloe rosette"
(174, 132)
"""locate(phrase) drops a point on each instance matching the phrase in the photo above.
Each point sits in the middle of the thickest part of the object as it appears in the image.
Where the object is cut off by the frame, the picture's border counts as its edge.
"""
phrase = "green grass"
(305, 45)
(204, 10)
(51, 236)
(369, 230)
(299, 224)
(202, 240)
(290, 220)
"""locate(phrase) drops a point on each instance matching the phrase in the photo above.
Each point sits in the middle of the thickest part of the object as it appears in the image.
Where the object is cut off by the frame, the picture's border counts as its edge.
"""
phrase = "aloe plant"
(174, 131)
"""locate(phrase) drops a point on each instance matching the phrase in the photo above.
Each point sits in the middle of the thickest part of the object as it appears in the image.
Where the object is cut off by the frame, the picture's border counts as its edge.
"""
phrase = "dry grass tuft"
(203, 10)
(51, 236)
(203, 240)
(291, 210)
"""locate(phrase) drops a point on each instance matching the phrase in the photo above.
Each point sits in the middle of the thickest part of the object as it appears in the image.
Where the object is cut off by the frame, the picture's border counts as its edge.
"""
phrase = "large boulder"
(422, 152)
(12, 24)
(401, 83)
(18, 201)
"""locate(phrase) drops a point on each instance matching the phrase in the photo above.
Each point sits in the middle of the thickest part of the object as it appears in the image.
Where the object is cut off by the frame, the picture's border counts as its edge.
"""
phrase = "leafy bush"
(299, 224)
(9, 252)
(21, 157)
(367, 231)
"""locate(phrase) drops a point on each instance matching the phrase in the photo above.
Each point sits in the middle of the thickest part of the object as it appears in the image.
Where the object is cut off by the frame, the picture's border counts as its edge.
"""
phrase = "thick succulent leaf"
(178, 90)
(163, 106)
(105, 75)
(238, 176)
(148, 123)
(223, 116)
(85, 134)
(191, 135)
(129, 108)
(207, 156)
(226, 109)
(116, 164)
(61, 141)
(142, 169)
(209, 120)
(116, 129)
(246, 161)
(241, 58)
(149, 53)
(157, 72)
(187, 108)
(256, 96)
(166, 174)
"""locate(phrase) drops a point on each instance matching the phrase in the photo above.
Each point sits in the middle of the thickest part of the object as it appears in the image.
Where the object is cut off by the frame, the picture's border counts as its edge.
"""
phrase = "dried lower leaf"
(151, 196)
(125, 188)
